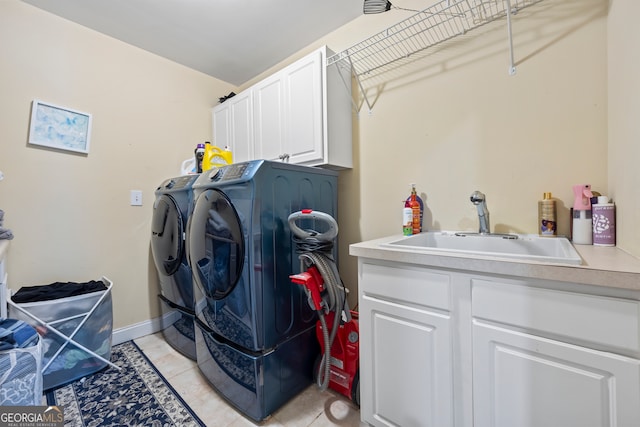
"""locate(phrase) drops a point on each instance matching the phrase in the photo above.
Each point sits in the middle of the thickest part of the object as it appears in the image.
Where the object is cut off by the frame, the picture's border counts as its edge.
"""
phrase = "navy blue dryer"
(171, 210)
(255, 336)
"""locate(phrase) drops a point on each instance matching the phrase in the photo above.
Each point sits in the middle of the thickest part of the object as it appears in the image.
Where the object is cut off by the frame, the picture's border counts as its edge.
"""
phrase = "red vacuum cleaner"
(337, 367)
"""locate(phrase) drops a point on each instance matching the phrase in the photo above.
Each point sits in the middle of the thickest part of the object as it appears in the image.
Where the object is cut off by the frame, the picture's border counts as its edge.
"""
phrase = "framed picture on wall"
(59, 127)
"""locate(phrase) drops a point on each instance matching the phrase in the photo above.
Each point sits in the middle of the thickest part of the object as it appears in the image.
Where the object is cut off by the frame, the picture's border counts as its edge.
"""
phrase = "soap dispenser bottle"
(582, 224)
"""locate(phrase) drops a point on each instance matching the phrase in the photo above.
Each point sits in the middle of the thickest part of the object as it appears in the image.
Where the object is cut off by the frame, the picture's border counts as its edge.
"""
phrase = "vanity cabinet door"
(529, 381)
(405, 365)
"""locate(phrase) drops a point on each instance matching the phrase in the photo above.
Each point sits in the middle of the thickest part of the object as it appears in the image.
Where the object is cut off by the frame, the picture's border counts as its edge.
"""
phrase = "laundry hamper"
(76, 330)
(20, 364)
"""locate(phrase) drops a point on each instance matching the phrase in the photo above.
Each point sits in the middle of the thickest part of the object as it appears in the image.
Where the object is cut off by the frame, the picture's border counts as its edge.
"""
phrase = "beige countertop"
(601, 266)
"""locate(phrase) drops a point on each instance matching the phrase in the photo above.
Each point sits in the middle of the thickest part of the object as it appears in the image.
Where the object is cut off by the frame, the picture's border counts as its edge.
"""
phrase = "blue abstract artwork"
(59, 127)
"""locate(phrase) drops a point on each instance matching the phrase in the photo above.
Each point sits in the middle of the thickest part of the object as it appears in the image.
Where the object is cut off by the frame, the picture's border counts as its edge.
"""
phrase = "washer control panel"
(234, 171)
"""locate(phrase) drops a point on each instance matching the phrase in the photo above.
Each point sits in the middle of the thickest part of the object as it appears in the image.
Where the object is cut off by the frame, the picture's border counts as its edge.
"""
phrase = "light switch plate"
(136, 197)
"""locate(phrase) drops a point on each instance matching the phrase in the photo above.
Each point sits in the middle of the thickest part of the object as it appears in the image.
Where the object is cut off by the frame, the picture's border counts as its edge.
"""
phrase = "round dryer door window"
(166, 235)
(216, 244)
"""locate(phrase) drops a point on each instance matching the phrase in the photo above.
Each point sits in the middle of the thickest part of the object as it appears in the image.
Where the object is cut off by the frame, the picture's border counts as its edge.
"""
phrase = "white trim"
(136, 330)
(3, 294)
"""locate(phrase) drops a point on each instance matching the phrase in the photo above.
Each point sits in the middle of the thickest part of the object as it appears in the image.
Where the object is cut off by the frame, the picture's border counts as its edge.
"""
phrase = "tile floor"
(311, 408)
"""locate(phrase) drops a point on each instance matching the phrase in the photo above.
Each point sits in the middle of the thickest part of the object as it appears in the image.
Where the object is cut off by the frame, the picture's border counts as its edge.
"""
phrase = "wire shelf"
(430, 27)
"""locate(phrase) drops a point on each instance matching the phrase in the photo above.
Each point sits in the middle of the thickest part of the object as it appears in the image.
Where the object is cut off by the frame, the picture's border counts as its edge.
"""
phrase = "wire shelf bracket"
(432, 26)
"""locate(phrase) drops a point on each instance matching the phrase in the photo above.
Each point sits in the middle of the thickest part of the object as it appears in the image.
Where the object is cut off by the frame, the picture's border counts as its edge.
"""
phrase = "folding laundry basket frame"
(21, 368)
(67, 339)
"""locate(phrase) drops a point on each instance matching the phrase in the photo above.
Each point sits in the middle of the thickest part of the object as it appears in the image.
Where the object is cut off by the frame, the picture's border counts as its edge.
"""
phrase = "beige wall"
(70, 213)
(453, 122)
(456, 121)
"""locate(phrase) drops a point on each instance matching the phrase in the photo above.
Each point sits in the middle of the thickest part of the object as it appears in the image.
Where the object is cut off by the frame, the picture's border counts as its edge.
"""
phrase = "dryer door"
(216, 244)
(167, 234)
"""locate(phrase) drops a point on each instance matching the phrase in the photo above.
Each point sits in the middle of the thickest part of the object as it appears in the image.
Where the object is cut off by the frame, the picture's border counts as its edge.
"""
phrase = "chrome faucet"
(479, 199)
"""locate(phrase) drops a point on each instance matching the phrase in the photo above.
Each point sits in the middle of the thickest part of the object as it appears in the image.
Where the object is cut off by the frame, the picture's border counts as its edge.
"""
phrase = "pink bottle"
(582, 230)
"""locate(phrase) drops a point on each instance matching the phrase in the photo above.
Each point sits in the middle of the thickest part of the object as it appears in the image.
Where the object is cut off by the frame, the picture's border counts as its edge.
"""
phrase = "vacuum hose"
(316, 249)
(335, 303)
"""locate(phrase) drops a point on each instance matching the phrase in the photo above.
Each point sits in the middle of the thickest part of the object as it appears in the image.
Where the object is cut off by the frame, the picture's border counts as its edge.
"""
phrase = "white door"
(268, 105)
(233, 126)
(241, 127)
(303, 110)
(528, 381)
(222, 125)
(405, 365)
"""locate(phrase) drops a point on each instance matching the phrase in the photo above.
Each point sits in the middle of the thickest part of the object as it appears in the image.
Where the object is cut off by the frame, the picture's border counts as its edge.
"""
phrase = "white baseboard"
(137, 330)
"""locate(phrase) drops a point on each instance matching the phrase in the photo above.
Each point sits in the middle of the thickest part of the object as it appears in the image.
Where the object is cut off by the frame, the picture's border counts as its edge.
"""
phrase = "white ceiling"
(232, 40)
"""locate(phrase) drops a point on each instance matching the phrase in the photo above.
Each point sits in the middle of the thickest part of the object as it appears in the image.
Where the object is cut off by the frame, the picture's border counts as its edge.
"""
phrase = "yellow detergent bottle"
(206, 159)
(220, 157)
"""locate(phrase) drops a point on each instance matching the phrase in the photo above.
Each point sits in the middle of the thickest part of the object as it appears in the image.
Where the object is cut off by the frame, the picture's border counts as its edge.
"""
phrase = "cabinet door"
(221, 125)
(241, 119)
(528, 381)
(303, 109)
(268, 107)
(233, 126)
(405, 365)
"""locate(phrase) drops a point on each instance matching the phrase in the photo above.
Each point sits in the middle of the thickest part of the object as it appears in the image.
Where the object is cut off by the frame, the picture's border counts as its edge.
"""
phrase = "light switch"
(136, 197)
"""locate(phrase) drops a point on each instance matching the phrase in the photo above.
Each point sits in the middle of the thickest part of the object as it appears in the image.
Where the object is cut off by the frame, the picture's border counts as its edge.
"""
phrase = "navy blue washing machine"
(255, 331)
(171, 210)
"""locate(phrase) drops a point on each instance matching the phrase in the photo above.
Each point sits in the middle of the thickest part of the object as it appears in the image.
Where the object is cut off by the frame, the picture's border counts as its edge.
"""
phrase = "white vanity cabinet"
(448, 347)
(233, 126)
(548, 357)
(405, 347)
(301, 114)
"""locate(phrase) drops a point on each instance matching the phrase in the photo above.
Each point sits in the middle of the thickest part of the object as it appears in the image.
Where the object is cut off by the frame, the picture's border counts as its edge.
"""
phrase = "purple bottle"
(604, 222)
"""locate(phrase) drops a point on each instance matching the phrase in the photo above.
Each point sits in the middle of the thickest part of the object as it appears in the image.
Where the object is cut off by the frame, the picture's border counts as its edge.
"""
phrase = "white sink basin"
(525, 248)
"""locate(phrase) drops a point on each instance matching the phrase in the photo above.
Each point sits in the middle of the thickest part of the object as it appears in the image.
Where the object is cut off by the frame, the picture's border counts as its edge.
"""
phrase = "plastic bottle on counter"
(407, 219)
(547, 225)
(199, 155)
(420, 203)
(604, 222)
(582, 225)
(415, 210)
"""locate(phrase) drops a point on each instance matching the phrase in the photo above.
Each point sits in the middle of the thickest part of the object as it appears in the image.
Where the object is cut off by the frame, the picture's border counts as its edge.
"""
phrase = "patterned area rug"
(136, 395)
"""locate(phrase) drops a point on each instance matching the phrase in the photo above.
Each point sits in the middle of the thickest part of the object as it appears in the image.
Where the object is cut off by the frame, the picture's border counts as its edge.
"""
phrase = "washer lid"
(167, 235)
(216, 244)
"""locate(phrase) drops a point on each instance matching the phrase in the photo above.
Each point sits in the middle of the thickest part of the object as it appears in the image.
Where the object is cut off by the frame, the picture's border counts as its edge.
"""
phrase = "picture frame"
(59, 127)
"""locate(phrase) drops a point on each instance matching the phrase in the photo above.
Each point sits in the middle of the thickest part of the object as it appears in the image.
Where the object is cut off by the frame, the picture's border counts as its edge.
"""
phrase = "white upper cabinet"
(301, 114)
